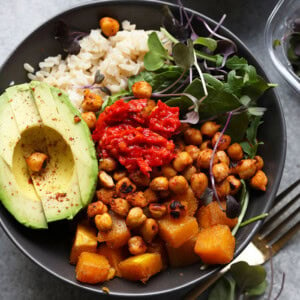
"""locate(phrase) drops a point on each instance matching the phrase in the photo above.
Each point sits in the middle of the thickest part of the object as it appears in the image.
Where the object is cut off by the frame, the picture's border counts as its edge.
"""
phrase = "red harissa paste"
(137, 140)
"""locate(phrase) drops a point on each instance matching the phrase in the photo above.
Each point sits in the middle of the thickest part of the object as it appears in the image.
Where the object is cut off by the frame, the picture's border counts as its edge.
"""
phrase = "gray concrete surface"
(19, 277)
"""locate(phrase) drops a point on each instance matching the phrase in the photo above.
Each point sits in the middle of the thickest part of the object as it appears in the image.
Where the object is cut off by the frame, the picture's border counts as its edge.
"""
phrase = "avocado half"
(36, 117)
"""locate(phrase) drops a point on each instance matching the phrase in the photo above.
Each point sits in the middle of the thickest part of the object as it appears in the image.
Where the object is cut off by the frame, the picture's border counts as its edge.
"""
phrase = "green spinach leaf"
(223, 289)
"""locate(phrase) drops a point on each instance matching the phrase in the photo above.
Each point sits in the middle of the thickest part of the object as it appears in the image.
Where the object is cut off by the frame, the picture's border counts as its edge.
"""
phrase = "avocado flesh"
(44, 129)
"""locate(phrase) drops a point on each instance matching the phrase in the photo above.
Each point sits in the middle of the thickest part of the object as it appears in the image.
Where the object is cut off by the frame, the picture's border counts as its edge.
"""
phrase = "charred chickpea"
(223, 188)
(159, 184)
(150, 196)
(177, 210)
(224, 142)
(107, 164)
(106, 180)
(109, 26)
(137, 199)
(199, 183)
(142, 90)
(157, 210)
(182, 160)
(105, 195)
(220, 171)
(204, 157)
(192, 136)
(235, 152)
(135, 217)
(193, 151)
(37, 161)
(168, 171)
(91, 102)
(259, 162)
(149, 230)
(178, 184)
(246, 168)
(90, 119)
(139, 178)
(103, 222)
(235, 184)
(223, 157)
(259, 181)
(209, 128)
(125, 187)
(206, 145)
(120, 206)
(136, 245)
(96, 208)
(118, 175)
(188, 172)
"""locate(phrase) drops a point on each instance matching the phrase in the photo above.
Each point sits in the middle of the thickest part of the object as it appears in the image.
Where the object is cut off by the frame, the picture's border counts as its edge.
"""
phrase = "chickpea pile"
(174, 189)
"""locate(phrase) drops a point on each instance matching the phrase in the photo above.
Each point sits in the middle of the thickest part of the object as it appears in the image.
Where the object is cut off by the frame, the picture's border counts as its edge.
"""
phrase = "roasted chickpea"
(142, 90)
(209, 128)
(182, 160)
(259, 162)
(188, 172)
(199, 183)
(92, 102)
(259, 181)
(223, 188)
(178, 184)
(120, 206)
(176, 209)
(139, 178)
(246, 168)
(192, 136)
(193, 151)
(150, 196)
(107, 164)
(90, 119)
(168, 171)
(103, 222)
(235, 152)
(125, 187)
(149, 230)
(206, 145)
(105, 195)
(159, 184)
(137, 199)
(220, 171)
(109, 26)
(118, 175)
(223, 157)
(157, 210)
(136, 245)
(235, 184)
(224, 142)
(37, 161)
(106, 180)
(135, 217)
(204, 157)
(96, 208)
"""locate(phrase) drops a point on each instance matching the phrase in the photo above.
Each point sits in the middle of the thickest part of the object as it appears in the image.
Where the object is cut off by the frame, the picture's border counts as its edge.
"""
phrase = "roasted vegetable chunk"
(141, 267)
(85, 241)
(215, 245)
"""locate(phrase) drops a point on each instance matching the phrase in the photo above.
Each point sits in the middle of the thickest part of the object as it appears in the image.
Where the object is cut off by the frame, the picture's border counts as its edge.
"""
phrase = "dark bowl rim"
(256, 226)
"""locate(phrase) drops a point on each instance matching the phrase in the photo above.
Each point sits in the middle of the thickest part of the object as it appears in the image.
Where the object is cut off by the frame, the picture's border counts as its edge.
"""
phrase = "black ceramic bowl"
(50, 249)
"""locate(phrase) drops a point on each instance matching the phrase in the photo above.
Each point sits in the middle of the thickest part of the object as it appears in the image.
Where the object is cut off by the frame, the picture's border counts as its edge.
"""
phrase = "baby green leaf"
(153, 61)
(224, 289)
(184, 54)
(276, 43)
(257, 290)
(155, 45)
(256, 111)
(211, 44)
(236, 63)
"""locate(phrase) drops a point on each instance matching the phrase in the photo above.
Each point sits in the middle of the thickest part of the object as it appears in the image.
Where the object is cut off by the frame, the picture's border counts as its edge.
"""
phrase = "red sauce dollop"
(137, 140)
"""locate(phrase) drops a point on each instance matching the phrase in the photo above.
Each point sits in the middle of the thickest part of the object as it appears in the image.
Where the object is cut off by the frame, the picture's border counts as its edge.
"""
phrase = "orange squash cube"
(184, 255)
(158, 246)
(92, 268)
(119, 234)
(215, 245)
(211, 215)
(176, 232)
(141, 267)
(85, 241)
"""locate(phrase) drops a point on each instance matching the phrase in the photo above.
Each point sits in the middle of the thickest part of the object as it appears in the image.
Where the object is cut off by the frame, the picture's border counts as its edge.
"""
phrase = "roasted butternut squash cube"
(141, 267)
(190, 199)
(184, 255)
(119, 234)
(175, 232)
(114, 256)
(211, 215)
(85, 241)
(92, 268)
(158, 246)
(215, 245)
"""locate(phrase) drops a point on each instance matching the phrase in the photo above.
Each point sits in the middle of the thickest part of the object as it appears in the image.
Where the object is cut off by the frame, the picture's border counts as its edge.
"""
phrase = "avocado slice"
(45, 123)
